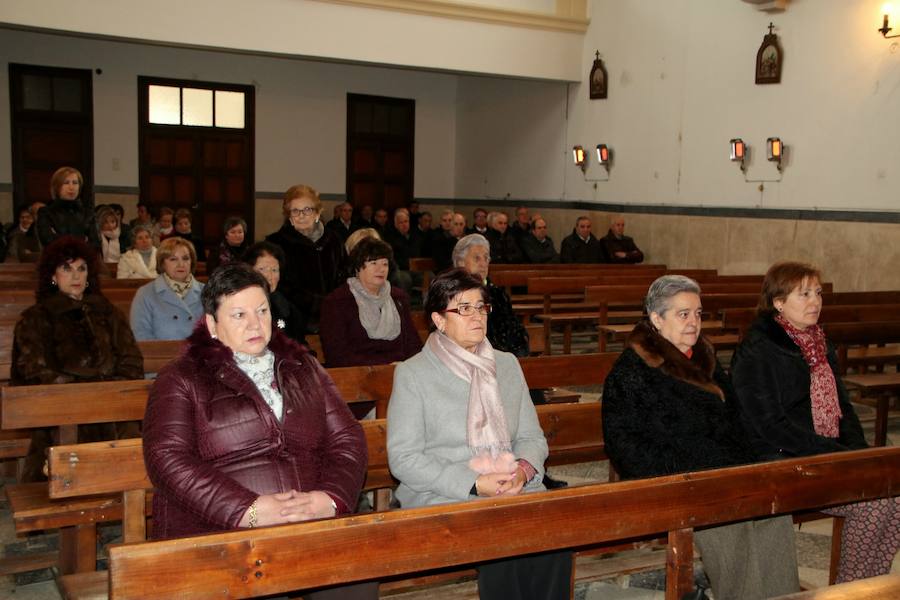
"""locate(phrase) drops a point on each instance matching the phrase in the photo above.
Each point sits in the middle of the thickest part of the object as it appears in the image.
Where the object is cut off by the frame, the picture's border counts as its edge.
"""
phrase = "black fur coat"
(665, 413)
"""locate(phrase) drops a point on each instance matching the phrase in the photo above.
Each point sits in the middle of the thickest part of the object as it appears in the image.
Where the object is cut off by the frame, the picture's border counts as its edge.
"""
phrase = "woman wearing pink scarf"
(461, 425)
(793, 403)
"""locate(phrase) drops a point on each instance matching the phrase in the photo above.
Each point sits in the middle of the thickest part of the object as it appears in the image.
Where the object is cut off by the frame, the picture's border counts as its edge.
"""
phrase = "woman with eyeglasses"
(462, 426)
(267, 259)
(314, 254)
(366, 321)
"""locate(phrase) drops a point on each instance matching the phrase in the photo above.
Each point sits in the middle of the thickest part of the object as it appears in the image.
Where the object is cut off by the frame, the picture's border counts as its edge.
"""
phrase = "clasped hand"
(500, 484)
(290, 507)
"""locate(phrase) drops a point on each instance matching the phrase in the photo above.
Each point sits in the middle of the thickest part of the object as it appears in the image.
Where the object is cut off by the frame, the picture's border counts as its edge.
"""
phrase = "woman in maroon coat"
(245, 429)
(366, 321)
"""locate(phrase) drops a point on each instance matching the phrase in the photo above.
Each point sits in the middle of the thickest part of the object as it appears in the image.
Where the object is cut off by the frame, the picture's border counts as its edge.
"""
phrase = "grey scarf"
(378, 314)
(317, 231)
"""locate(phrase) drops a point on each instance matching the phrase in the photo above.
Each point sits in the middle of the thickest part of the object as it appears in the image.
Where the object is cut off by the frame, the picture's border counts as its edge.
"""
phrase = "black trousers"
(546, 576)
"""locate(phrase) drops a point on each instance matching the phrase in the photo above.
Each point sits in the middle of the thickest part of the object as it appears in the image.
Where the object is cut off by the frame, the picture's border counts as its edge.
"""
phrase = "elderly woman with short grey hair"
(668, 407)
(505, 329)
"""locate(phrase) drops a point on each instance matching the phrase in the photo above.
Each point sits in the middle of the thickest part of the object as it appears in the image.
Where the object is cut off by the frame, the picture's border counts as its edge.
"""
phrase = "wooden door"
(205, 168)
(380, 151)
(51, 112)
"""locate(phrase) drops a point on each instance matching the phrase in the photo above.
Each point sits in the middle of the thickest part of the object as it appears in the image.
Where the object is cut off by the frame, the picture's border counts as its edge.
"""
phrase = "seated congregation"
(246, 429)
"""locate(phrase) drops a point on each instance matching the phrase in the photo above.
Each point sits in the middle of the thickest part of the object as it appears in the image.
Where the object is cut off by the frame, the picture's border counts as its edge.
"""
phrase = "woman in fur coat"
(668, 408)
(72, 334)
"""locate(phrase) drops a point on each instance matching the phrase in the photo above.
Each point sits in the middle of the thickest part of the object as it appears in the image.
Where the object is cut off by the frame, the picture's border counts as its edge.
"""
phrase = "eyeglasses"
(305, 211)
(264, 270)
(467, 310)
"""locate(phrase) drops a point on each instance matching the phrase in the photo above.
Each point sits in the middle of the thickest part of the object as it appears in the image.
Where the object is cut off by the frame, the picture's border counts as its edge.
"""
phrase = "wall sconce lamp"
(739, 152)
(580, 157)
(774, 151)
(886, 11)
(604, 156)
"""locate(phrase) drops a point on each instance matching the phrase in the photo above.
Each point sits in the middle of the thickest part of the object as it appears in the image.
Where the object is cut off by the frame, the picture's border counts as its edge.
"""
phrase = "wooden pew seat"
(245, 564)
(884, 587)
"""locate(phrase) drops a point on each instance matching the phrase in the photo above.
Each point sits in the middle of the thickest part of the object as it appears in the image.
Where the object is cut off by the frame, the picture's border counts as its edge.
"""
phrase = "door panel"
(206, 169)
(380, 150)
(52, 126)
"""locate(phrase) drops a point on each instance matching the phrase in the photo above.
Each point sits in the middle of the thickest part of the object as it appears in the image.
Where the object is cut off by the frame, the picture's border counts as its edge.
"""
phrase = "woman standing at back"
(314, 253)
(66, 215)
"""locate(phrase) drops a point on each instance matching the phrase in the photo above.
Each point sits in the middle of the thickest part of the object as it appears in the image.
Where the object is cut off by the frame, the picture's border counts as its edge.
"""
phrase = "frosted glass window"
(198, 109)
(165, 105)
(66, 94)
(230, 109)
(37, 92)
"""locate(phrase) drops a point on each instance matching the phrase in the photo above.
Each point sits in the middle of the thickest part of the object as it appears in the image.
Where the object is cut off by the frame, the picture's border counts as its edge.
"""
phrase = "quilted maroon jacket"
(212, 445)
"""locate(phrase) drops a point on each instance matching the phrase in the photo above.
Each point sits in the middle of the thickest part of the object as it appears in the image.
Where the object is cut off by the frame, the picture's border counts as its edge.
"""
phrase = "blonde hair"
(56, 180)
(359, 235)
(167, 249)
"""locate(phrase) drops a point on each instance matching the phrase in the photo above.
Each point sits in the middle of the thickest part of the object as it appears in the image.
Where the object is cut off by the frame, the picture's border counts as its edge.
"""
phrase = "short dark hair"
(232, 222)
(228, 280)
(368, 249)
(445, 287)
(259, 249)
(62, 251)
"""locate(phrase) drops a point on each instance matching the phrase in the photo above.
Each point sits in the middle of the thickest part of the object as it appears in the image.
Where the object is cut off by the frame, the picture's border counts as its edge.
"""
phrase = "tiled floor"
(594, 578)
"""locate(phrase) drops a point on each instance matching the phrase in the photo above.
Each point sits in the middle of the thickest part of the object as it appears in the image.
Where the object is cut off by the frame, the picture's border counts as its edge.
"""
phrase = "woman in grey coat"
(461, 425)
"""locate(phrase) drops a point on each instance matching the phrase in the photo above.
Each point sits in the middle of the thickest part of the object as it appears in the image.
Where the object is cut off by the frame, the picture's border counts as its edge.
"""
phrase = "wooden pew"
(244, 564)
(65, 406)
(112, 468)
(740, 318)
(883, 587)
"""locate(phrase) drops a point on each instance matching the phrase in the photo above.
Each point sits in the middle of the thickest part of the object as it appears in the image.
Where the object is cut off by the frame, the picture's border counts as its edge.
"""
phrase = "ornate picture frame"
(769, 59)
(598, 80)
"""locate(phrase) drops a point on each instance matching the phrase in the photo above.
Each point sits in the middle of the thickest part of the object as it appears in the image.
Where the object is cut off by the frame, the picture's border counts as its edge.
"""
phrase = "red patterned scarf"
(826, 411)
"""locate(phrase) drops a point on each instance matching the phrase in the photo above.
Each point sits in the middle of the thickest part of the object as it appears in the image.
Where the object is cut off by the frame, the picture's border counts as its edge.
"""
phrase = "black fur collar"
(660, 354)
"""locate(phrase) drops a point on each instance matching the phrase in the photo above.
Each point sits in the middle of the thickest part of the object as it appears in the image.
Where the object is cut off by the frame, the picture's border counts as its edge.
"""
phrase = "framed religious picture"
(769, 59)
(598, 79)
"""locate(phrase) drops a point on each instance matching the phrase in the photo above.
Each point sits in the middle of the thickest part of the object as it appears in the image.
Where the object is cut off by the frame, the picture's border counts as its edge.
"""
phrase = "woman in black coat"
(267, 259)
(793, 403)
(669, 408)
(314, 254)
(67, 214)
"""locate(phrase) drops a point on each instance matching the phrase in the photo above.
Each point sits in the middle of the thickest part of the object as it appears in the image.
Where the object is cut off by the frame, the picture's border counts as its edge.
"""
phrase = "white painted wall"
(682, 84)
(510, 139)
(316, 30)
(300, 108)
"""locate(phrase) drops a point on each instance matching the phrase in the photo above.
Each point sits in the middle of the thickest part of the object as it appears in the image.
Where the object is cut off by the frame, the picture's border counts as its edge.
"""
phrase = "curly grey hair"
(664, 289)
(465, 243)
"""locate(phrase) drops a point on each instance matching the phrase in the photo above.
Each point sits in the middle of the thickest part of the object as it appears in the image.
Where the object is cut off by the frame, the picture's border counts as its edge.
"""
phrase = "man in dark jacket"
(504, 249)
(581, 246)
(537, 246)
(620, 248)
(406, 244)
(342, 223)
(521, 226)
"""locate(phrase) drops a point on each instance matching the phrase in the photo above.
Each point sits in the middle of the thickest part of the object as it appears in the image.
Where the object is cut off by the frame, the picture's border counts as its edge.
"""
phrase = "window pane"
(197, 107)
(230, 109)
(66, 94)
(165, 105)
(36, 92)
